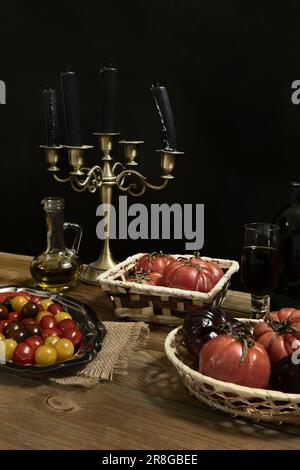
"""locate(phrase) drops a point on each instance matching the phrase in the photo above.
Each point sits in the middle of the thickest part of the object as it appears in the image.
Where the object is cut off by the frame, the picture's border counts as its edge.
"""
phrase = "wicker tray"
(254, 403)
(156, 304)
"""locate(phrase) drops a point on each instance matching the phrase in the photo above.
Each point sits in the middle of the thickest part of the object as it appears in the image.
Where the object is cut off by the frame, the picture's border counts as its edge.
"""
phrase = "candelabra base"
(90, 274)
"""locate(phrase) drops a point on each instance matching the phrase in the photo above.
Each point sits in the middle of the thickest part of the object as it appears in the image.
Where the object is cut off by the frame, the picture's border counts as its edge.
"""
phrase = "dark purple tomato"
(24, 354)
(33, 330)
(19, 336)
(11, 327)
(3, 324)
(3, 312)
(7, 303)
(30, 310)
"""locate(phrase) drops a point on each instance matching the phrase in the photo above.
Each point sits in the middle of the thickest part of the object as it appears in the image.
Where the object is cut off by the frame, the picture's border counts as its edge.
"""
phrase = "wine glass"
(260, 265)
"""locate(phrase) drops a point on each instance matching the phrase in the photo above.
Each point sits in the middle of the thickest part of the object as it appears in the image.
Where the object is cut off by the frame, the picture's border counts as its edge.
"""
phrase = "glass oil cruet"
(58, 268)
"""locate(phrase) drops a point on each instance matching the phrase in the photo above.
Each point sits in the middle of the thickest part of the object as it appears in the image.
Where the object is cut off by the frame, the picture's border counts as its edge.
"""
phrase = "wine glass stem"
(260, 306)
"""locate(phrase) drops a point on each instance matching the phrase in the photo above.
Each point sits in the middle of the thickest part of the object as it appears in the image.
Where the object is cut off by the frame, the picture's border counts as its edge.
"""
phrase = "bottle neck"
(295, 194)
(55, 230)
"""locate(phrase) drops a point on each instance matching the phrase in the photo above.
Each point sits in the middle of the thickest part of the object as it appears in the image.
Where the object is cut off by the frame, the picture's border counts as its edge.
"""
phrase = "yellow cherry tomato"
(2, 337)
(45, 303)
(18, 303)
(10, 346)
(62, 316)
(41, 315)
(45, 355)
(64, 348)
(51, 340)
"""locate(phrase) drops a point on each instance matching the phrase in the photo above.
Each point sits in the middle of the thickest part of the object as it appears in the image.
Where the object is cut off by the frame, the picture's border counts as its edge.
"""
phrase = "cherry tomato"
(30, 310)
(10, 346)
(24, 354)
(54, 309)
(11, 327)
(41, 315)
(45, 355)
(62, 316)
(23, 294)
(46, 303)
(18, 303)
(33, 330)
(51, 340)
(35, 299)
(13, 316)
(47, 322)
(73, 335)
(64, 349)
(2, 337)
(34, 341)
(28, 321)
(51, 332)
(3, 312)
(66, 324)
(3, 324)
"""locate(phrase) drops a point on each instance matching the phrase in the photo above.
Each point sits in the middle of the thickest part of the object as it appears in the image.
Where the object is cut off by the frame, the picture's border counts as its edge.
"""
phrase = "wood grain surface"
(146, 408)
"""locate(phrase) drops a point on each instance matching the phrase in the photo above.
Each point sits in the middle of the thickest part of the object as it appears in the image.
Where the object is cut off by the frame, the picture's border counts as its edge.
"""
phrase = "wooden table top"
(146, 408)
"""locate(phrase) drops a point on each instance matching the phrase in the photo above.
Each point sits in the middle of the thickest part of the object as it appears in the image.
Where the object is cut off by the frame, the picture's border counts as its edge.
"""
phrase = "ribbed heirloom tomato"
(154, 262)
(232, 360)
(279, 333)
(184, 275)
(145, 277)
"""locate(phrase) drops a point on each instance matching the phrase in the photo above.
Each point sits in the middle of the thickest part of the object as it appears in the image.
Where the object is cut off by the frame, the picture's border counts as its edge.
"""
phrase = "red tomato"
(28, 321)
(74, 335)
(34, 341)
(66, 324)
(24, 354)
(13, 316)
(152, 278)
(222, 358)
(47, 322)
(54, 309)
(211, 267)
(35, 299)
(154, 262)
(3, 324)
(279, 332)
(51, 332)
(184, 275)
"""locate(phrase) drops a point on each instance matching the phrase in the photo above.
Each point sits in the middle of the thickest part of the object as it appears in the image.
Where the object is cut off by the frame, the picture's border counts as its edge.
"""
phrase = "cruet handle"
(78, 234)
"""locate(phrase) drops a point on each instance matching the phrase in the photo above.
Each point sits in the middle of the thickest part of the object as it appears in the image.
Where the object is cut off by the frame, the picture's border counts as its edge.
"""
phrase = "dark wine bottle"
(287, 293)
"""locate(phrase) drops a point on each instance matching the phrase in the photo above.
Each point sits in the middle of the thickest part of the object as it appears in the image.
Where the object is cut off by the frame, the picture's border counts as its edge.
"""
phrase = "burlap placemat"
(121, 340)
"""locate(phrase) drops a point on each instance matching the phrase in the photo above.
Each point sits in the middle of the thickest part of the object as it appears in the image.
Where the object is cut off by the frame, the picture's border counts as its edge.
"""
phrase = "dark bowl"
(92, 329)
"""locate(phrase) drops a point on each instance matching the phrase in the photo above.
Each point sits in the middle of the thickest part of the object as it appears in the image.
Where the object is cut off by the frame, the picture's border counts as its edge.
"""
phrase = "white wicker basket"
(236, 400)
(157, 304)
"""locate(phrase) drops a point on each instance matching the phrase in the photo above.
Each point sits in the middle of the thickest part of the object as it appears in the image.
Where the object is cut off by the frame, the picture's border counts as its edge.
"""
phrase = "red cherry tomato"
(34, 341)
(51, 332)
(13, 316)
(66, 324)
(74, 335)
(35, 299)
(24, 354)
(154, 262)
(54, 309)
(47, 322)
(28, 321)
(3, 324)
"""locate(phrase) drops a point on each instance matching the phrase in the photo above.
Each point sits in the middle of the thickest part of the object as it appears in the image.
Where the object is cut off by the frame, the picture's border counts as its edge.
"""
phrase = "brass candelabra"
(125, 177)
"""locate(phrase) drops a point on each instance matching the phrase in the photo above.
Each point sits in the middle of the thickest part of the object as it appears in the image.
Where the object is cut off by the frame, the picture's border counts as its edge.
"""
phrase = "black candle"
(71, 108)
(164, 109)
(109, 85)
(51, 117)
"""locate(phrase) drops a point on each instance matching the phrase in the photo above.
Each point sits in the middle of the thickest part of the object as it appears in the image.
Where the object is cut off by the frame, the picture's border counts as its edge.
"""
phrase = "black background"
(228, 67)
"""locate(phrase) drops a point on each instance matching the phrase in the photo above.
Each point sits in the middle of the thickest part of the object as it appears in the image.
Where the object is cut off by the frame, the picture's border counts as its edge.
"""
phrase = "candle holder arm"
(133, 186)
